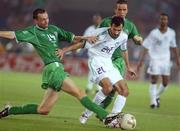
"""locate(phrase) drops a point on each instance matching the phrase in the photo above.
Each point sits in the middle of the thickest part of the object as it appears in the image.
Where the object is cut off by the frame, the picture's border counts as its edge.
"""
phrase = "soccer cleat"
(113, 120)
(158, 102)
(153, 106)
(5, 111)
(83, 118)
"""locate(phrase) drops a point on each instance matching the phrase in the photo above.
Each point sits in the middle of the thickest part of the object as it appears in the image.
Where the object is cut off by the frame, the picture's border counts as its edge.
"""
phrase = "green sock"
(86, 102)
(107, 101)
(26, 109)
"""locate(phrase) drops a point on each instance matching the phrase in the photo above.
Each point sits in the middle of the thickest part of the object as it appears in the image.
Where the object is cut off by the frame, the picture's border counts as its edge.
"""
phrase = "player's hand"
(138, 39)
(91, 39)
(60, 53)
(131, 72)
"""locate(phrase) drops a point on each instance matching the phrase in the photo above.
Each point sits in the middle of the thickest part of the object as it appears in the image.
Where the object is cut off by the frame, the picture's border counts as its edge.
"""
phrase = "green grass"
(22, 88)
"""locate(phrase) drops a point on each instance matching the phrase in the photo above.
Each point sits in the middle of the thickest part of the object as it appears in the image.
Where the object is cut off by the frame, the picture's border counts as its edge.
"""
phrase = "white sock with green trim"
(119, 104)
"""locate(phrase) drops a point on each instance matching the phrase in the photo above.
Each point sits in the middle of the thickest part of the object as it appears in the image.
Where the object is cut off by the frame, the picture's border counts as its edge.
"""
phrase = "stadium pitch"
(23, 88)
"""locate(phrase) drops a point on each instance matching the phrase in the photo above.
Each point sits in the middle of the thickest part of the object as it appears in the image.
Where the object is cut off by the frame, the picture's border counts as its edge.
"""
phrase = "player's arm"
(70, 37)
(7, 34)
(128, 67)
(138, 39)
(174, 49)
(142, 56)
(176, 55)
(90, 39)
(126, 58)
(60, 52)
(79, 42)
(73, 47)
(125, 55)
(134, 34)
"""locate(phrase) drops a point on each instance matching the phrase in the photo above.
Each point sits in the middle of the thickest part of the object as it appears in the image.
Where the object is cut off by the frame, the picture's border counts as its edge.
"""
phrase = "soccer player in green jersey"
(45, 39)
(121, 10)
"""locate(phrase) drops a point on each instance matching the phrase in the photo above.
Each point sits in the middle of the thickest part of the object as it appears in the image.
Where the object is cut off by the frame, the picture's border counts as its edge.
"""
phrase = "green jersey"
(45, 41)
(129, 28)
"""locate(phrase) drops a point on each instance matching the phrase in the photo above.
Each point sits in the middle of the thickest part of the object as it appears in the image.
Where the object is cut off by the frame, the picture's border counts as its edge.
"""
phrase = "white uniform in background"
(89, 30)
(158, 45)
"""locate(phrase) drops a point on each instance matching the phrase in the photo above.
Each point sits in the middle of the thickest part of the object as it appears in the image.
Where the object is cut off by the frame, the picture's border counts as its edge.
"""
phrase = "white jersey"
(158, 44)
(106, 45)
(99, 62)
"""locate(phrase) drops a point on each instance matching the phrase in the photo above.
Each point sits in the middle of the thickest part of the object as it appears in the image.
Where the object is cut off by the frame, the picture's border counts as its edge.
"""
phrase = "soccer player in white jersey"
(100, 63)
(96, 19)
(158, 44)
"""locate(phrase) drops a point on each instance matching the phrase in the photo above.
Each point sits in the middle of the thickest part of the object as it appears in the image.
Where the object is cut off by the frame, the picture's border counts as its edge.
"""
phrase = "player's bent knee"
(125, 93)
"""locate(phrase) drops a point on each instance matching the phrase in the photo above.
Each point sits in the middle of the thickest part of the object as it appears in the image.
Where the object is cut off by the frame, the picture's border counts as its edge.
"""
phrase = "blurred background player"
(96, 20)
(121, 9)
(158, 45)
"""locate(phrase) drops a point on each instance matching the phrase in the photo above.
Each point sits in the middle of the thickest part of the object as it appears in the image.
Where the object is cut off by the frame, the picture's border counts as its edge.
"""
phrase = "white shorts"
(101, 68)
(159, 67)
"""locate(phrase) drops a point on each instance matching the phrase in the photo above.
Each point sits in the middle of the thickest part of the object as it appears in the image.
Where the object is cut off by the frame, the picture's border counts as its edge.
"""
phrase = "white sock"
(119, 104)
(161, 90)
(99, 97)
(153, 92)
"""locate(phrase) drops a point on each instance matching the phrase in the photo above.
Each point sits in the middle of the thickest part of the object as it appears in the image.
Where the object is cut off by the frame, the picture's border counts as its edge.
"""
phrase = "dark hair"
(164, 14)
(117, 21)
(122, 2)
(38, 11)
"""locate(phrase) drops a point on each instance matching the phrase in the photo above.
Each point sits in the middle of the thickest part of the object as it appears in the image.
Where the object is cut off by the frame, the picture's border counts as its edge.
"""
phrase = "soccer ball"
(127, 122)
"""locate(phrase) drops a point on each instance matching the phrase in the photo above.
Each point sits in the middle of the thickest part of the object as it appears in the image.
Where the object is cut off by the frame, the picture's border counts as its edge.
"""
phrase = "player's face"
(96, 20)
(115, 30)
(121, 10)
(42, 20)
(163, 21)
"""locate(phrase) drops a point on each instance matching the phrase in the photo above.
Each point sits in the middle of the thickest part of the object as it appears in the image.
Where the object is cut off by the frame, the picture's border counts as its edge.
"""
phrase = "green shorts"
(53, 76)
(119, 63)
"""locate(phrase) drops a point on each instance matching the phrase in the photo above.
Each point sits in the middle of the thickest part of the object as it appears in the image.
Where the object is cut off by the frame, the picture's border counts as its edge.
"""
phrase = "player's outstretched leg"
(17, 110)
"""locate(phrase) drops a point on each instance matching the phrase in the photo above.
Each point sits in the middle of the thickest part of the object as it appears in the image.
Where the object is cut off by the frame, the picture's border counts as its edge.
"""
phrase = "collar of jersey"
(40, 28)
